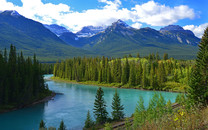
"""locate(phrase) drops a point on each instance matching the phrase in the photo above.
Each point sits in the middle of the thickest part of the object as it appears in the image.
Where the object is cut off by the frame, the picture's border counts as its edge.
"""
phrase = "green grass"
(169, 86)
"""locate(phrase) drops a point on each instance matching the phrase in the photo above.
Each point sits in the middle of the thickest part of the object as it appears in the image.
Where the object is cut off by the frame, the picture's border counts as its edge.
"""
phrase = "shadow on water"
(23, 119)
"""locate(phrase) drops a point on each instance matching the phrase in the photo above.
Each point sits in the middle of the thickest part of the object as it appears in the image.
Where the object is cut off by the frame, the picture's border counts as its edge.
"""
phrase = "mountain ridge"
(32, 37)
(116, 40)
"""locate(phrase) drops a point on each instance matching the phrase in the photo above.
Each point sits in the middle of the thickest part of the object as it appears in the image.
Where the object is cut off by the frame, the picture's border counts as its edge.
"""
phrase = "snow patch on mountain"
(89, 31)
(56, 29)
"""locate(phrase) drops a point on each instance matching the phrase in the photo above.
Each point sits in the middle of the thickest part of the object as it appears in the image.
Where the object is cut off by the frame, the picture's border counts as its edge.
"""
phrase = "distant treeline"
(21, 80)
(47, 68)
(149, 73)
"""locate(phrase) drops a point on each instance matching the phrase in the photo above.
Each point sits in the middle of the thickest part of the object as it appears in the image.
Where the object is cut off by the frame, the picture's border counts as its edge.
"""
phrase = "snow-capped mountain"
(58, 30)
(122, 23)
(89, 31)
(10, 12)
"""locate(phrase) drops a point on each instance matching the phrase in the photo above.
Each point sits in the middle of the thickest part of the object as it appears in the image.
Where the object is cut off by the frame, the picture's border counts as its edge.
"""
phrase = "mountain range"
(32, 37)
(52, 42)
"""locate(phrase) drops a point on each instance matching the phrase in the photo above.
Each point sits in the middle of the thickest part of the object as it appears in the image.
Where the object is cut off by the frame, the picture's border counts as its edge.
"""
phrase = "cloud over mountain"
(151, 13)
(198, 30)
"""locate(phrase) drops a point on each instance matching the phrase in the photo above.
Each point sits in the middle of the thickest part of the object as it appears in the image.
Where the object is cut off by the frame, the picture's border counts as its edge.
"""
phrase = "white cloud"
(151, 13)
(198, 30)
(155, 14)
(137, 25)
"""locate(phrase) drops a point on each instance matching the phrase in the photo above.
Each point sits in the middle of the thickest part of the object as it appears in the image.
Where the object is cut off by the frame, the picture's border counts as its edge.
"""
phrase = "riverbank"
(45, 99)
(113, 85)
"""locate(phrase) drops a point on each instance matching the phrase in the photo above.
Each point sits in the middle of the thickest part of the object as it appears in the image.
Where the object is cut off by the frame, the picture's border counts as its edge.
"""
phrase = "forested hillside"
(21, 80)
(147, 73)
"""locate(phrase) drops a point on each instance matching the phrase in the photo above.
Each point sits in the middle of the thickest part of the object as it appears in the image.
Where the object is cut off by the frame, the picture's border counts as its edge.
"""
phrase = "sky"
(75, 14)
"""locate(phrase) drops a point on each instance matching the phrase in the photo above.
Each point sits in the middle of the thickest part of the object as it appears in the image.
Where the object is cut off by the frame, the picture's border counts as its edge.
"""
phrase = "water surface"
(72, 106)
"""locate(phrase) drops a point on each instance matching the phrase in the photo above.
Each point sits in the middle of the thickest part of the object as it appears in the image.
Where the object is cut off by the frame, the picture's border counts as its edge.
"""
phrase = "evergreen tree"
(132, 75)
(88, 122)
(157, 56)
(165, 57)
(152, 76)
(139, 114)
(139, 74)
(125, 72)
(42, 124)
(176, 76)
(169, 107)
(62, 126)
(161, 74)
(21, 80)
(117, 112)
(199, 79)
(100, 107)
(144, 78)
(130, 56)
(196, 92)
(138, 56)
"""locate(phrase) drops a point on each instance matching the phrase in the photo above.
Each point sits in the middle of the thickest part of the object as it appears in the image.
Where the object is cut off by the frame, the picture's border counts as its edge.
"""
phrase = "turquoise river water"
(72, 106)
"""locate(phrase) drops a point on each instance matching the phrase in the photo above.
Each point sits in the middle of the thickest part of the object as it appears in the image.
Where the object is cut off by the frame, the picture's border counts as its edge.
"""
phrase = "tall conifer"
(100, 107)
(117, 112)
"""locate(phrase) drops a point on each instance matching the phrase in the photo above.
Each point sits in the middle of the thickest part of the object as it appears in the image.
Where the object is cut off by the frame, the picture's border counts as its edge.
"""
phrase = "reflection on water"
(72, 106)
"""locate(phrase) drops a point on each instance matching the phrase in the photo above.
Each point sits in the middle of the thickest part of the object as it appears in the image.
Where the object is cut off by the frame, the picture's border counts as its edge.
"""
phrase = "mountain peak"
(10, 12)
(171, 28)
(89, 31)
(58, 30)
(176, 29)
(121, 23)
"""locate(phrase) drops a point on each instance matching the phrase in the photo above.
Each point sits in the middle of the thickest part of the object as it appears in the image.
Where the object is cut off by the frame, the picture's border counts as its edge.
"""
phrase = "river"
(72, 106)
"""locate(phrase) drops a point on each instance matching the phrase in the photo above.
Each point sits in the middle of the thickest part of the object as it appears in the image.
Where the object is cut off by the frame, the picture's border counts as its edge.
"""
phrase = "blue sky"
(74, 14)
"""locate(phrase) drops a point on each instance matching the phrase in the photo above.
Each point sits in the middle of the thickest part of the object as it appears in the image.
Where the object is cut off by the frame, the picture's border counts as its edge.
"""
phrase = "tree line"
(21, 80)
(149, 73)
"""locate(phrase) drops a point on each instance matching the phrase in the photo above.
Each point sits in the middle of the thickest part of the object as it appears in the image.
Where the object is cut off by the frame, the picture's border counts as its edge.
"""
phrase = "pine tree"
(165, 57)
(161, 105)
(125, 72)
(130, 56)
(152, 76)
(62, 126)
(100, 107)
(199, 80)
(139, 114)
(88, 122)
(132, 75)
(117, 112)
(138, 56)
(196, 92)
(139, 74)
(157, 56)
(169, 108)
(42, 124)
(144, 78)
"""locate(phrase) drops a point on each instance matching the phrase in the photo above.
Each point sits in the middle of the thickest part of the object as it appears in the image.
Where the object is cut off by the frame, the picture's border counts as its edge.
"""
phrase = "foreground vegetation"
(154, 117)
(21, 80)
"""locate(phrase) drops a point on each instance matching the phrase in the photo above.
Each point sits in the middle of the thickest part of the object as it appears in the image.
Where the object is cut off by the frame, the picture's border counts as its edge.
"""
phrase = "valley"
(103, 64)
